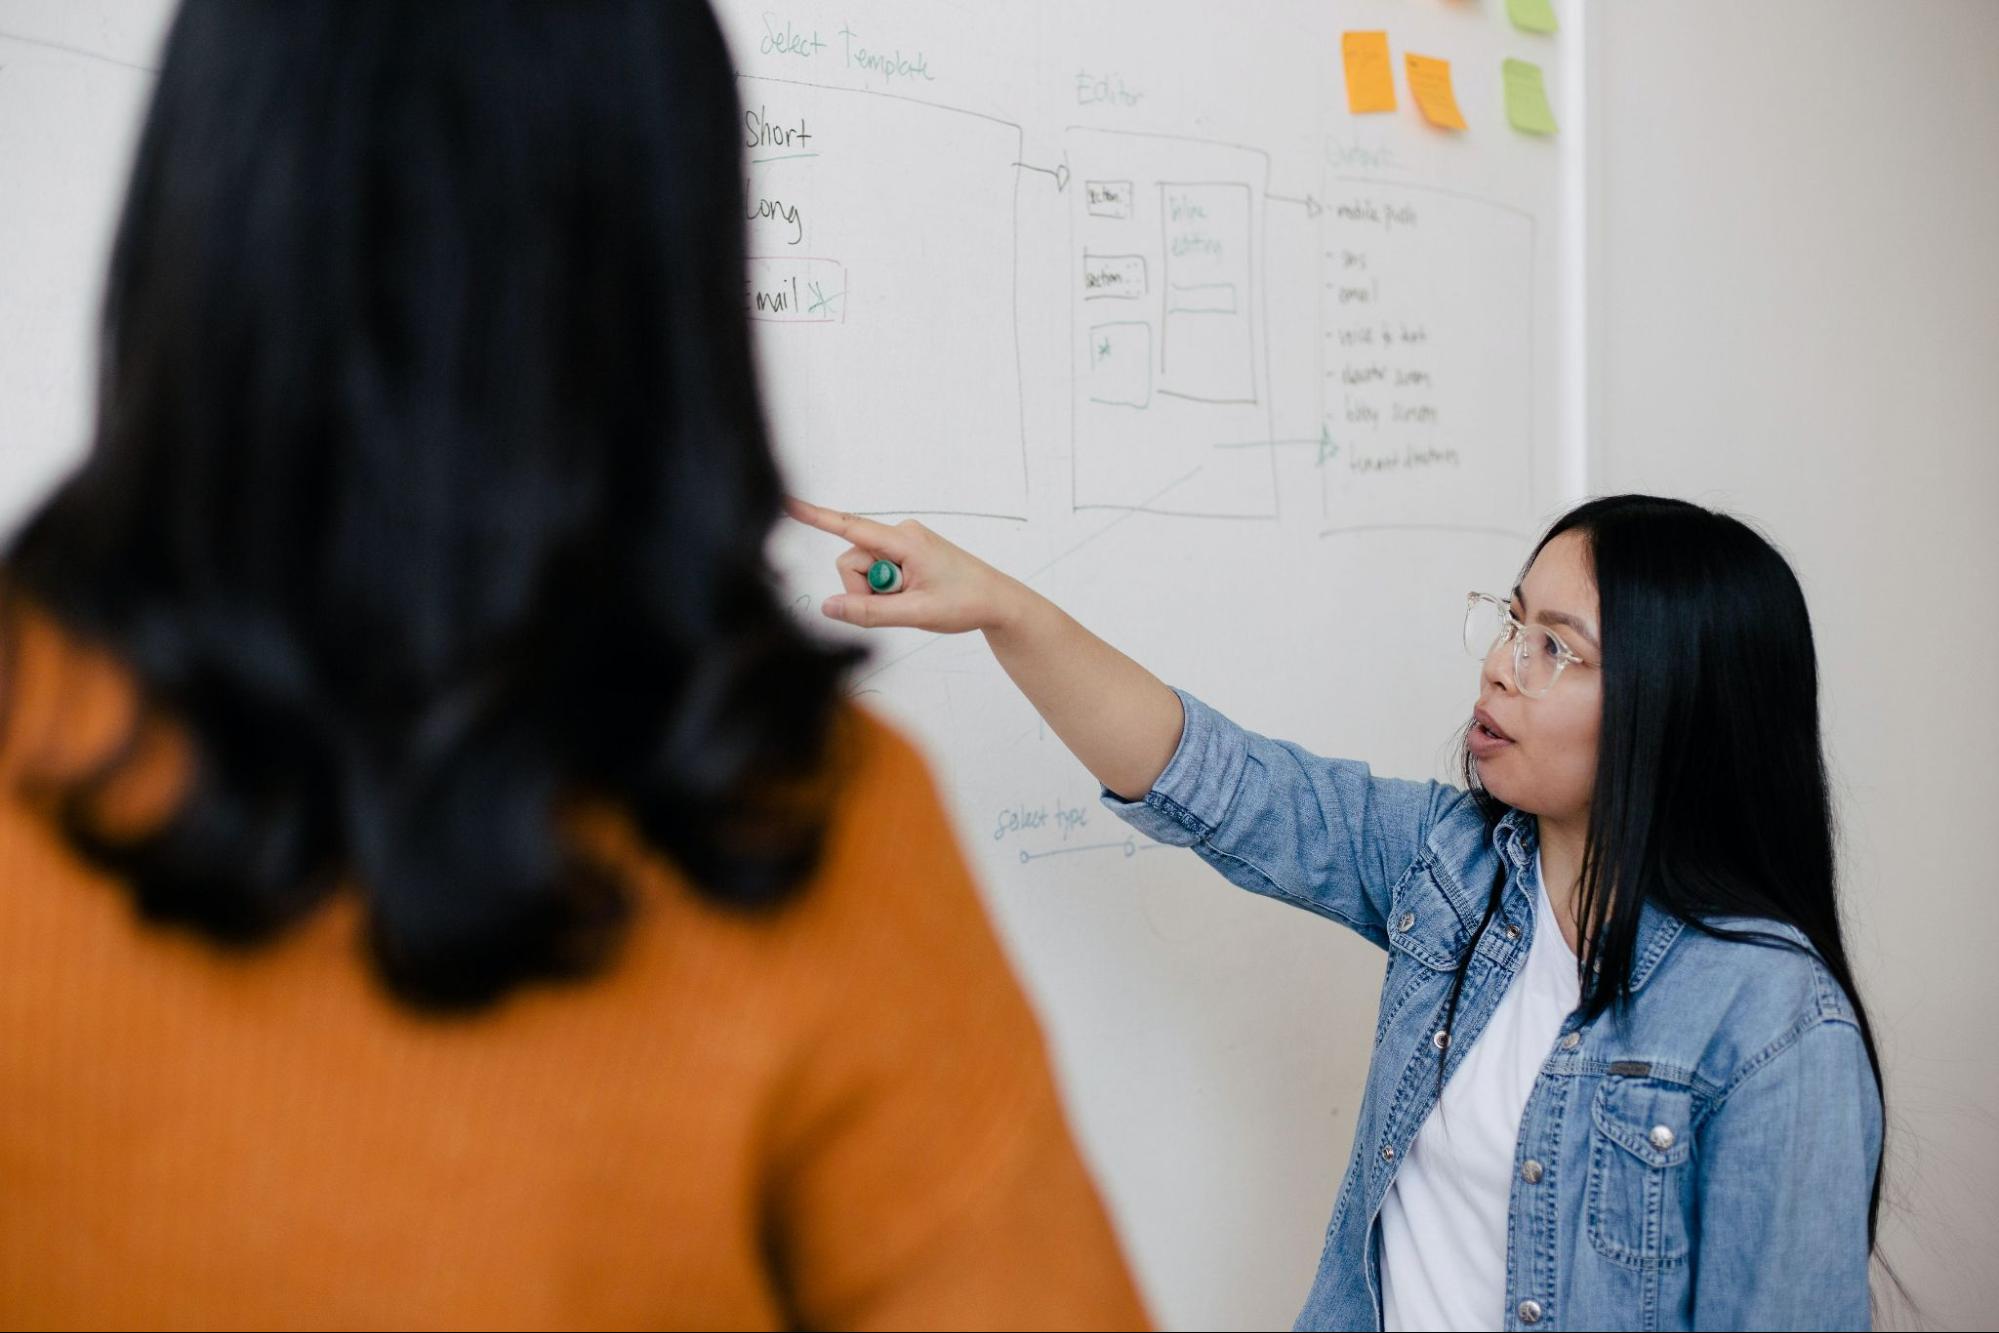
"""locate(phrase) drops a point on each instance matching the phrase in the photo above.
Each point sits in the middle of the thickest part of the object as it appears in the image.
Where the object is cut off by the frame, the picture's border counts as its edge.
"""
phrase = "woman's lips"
(1485, 738)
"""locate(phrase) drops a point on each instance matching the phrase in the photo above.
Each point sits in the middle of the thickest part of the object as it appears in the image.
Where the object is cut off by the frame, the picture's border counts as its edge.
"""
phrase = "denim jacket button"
(1530, 1312)
(1387, 1152)
(1661, 1137)
(1512, 931)
(1530, 1171)
(1571, 1040)
(1408, 920)
(1441, 1038)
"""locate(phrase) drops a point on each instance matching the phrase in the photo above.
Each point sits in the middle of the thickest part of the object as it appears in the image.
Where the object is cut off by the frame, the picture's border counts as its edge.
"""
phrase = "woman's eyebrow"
(1559, 618)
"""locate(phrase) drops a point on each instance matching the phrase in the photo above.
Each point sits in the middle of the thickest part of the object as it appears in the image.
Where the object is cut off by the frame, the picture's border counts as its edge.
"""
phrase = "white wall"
(1795, 316)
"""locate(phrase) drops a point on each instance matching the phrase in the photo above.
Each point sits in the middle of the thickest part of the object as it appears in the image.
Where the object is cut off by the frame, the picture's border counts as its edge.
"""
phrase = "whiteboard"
(1120, 296)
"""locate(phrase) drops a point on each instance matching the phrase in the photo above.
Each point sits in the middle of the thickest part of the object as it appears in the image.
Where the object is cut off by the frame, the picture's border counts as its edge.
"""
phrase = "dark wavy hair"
(1711, 798)
(430, 486)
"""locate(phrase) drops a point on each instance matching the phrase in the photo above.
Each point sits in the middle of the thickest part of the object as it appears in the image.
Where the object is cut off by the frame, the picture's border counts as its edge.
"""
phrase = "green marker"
(884, 576)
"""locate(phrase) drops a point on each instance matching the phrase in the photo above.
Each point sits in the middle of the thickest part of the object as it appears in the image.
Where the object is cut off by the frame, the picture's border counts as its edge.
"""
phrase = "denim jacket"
(1699, 1158)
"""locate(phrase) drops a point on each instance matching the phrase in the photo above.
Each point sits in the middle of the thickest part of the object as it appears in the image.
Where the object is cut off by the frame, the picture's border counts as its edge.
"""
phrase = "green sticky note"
(1527, 99)
(1531, 15)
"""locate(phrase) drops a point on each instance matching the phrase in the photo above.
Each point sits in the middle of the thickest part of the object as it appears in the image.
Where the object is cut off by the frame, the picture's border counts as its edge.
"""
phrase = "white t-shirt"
(1443, 1224)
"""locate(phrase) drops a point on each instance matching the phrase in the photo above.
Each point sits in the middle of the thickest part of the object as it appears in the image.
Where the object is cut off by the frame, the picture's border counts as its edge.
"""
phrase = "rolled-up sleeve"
(1322, 834)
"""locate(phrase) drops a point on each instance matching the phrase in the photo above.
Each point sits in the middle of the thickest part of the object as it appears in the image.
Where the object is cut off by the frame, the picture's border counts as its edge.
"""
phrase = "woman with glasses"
(1623, 1076)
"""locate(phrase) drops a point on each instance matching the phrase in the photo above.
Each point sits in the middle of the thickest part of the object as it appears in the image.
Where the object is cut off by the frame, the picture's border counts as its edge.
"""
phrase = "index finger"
(862, 532)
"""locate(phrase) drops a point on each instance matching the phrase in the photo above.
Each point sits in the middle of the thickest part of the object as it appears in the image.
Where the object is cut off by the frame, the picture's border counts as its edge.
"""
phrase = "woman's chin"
(1494, 778)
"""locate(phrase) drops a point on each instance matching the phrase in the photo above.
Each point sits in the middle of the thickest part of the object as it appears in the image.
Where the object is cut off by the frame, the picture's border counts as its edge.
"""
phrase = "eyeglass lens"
(1537, 653)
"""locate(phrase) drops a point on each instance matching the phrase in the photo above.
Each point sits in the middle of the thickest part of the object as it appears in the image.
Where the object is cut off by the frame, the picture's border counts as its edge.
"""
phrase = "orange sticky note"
(1370, 78)
(1430, 81)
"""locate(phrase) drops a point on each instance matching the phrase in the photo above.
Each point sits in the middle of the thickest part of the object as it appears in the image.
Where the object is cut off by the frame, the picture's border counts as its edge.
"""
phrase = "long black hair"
(1710, 797)
(430, 488)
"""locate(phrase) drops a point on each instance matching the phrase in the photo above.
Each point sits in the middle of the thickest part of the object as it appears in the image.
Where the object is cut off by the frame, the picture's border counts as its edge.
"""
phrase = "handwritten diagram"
(881, 285)
(1426, 346)
(1168, 318)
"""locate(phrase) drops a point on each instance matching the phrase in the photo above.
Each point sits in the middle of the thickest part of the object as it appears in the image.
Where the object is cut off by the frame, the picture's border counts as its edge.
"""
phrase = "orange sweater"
(840, 1116)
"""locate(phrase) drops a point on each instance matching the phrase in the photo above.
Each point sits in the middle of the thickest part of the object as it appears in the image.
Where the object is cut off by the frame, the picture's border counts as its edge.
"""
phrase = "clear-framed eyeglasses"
(1539, 657)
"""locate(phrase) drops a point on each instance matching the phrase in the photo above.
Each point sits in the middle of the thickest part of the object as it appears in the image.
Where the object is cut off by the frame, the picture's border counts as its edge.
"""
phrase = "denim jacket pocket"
(1421, 922)
(1640, 1186)
(1425, 940)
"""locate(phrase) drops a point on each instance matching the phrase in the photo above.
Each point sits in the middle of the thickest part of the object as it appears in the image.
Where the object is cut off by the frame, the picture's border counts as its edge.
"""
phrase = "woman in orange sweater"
(439, 882)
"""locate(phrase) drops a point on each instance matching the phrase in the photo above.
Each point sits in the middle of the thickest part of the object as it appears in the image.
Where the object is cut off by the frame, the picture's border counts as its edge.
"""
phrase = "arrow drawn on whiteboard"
(1310, 204)
(1130, 847)
(1060, 173)
(1322, 442)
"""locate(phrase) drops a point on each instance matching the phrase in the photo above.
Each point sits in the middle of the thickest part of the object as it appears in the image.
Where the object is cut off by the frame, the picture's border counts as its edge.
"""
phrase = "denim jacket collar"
(1516, 838)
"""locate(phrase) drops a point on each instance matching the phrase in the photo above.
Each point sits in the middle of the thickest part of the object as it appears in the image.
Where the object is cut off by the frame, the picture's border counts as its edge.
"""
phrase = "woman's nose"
(1497, 669)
